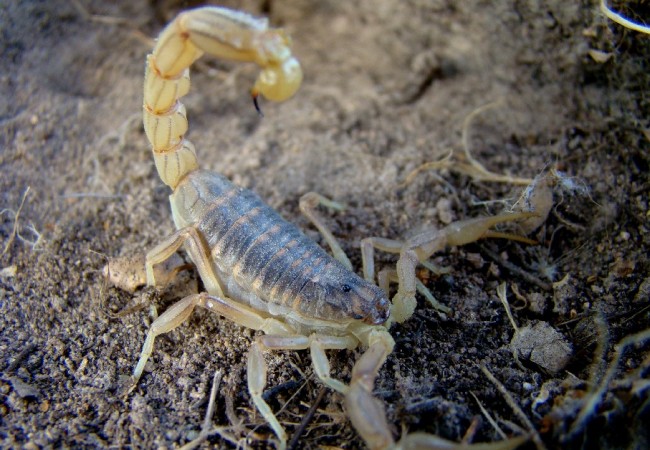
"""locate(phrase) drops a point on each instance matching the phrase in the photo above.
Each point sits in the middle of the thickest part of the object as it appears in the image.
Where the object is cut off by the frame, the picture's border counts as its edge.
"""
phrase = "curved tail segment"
(219, 32)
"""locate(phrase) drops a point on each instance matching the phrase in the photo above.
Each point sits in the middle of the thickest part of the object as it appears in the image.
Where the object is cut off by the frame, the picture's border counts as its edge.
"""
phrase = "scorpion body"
(267, 263)
(259, 270)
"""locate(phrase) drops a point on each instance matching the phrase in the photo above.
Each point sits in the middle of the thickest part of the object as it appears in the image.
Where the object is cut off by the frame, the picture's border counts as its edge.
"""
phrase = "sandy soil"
(389, 85)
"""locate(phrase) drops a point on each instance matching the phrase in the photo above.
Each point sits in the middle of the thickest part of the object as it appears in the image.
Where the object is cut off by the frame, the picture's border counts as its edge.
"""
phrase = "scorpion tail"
(219, 32)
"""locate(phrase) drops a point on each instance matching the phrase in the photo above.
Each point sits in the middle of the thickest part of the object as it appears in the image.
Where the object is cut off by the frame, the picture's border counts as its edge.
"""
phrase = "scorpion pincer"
(260, 271)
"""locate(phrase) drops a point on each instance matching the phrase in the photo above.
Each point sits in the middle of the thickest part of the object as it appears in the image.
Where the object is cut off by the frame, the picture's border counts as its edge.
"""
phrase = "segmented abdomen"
(248, 239)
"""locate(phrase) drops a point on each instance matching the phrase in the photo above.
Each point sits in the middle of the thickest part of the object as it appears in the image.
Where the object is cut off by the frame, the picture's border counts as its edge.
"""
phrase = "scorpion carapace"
(259, 270)
(270, 258)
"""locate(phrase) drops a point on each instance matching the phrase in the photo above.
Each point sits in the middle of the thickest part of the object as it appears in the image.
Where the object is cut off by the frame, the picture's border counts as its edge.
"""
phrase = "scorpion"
(258, 270)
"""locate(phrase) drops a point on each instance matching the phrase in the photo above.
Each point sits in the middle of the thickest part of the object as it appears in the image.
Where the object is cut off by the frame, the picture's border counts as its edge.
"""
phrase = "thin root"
(489, 418)
(14, 231)
(470, 432)
(501, 292)
(207, 429)
(293, 443)
(536, 438)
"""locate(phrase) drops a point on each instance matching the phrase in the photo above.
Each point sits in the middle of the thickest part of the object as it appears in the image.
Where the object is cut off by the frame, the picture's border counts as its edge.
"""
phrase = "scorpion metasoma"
(258, 270)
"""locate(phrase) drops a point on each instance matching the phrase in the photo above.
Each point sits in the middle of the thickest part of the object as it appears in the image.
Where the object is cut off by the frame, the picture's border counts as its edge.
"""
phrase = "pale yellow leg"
(383, 279)
(404, 301)
(390, 275)
(197, 250)
(308, 204)
(170, 319)
(239, 314)
(256, 374)
(180, 311)
(368, 246)
(420, 247)
(316, 343)
(471, 230)
(320, 361)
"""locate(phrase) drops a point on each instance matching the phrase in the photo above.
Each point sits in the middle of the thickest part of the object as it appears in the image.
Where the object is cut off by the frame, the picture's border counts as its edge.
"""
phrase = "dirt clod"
(543, 345)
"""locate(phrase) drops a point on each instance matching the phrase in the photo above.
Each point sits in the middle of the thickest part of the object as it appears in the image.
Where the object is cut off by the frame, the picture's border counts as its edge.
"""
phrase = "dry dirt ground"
(530, 88)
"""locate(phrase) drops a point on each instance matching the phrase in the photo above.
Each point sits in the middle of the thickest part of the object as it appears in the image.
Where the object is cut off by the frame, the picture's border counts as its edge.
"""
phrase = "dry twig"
(14, 231)
(537, 439)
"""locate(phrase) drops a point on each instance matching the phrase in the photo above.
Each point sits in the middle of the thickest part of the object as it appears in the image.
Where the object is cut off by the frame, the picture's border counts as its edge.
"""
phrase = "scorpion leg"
(180, 311)
(170, 319)
(421, 246)
(257, 367)
(404, 301)
(387, 276)
(319, 344)
(368, 246)
(242, 315)
(308, 204)
(197, 250)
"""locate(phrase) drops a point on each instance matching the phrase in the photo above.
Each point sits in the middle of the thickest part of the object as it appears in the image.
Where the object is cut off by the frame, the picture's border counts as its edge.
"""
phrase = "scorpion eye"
(346, 288)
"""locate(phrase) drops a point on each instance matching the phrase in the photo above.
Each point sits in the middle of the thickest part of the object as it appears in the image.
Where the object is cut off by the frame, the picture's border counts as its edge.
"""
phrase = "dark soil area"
(547, 89)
